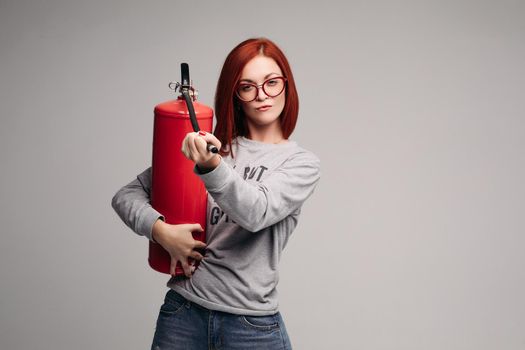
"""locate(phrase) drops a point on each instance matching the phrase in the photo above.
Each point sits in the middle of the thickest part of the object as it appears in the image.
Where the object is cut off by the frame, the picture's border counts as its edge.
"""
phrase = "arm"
(132, 204)
(255, 206)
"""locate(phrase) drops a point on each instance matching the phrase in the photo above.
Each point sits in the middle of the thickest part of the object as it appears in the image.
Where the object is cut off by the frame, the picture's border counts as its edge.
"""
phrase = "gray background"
(414, 238)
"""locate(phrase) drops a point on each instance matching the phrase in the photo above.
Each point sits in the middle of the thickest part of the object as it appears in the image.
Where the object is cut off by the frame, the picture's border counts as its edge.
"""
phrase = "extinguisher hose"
(185, 88)
(193, 119)
(191, 110)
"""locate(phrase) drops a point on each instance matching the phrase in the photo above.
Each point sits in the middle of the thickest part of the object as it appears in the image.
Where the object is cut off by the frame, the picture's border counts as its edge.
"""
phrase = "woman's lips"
(264, 108)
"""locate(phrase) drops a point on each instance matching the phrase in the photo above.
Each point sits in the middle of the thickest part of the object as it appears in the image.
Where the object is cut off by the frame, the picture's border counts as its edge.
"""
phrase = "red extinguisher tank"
(177, 192)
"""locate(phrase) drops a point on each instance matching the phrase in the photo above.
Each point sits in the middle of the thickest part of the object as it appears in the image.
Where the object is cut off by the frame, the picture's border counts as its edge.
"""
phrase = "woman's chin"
(265, 121)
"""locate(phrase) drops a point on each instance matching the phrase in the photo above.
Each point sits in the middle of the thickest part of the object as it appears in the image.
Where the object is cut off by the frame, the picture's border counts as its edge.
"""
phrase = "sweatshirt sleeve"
(132, 204)
(255, 206)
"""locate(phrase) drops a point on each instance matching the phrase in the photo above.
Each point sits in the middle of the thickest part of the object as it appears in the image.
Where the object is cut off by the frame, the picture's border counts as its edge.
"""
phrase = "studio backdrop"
(413, 238)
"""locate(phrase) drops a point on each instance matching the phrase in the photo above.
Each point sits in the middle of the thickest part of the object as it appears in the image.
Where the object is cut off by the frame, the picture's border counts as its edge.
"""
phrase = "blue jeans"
(183, 324)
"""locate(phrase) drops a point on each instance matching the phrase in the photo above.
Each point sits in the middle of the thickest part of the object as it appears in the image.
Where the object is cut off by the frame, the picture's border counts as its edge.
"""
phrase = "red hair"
(231, 121)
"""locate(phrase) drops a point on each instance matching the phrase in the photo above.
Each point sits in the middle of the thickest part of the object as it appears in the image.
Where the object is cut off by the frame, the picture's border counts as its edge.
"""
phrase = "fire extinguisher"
(177, 192)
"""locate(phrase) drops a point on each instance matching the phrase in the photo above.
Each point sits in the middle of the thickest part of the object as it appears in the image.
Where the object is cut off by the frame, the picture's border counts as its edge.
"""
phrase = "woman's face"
(264, 111)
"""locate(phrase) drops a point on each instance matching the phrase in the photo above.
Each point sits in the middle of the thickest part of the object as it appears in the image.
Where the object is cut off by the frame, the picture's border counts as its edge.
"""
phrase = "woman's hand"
(179, 242)
(194, 147)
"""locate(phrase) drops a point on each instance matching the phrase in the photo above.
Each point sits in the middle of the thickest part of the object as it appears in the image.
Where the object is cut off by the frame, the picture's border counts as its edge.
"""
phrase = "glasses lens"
(273, 87)
(247, 92)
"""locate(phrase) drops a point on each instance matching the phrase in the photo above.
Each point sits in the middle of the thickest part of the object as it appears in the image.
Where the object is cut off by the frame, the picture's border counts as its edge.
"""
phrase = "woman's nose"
(261, 96)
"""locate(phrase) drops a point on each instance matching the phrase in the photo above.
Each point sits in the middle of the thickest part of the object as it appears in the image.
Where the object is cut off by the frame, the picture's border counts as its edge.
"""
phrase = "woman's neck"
(269, 134)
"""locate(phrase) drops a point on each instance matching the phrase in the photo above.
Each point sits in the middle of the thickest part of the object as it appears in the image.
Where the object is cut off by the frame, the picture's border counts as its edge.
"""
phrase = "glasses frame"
(261, 86)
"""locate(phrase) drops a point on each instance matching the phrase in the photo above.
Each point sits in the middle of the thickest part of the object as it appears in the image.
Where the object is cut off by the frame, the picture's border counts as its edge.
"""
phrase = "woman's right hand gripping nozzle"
(180, 244)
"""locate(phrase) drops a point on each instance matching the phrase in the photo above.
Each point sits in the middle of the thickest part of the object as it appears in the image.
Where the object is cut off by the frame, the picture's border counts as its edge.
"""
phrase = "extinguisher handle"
(185, 75)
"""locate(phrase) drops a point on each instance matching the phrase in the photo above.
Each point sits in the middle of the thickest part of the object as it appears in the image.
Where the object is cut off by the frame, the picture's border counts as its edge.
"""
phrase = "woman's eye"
(246, 88)
(272, 82)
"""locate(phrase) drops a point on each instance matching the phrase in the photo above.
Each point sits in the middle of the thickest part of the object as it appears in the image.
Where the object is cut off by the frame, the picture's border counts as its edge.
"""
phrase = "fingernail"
(202, 133)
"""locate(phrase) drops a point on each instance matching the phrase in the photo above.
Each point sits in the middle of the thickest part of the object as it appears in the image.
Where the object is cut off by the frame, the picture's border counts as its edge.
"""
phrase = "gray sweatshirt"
(254, 203)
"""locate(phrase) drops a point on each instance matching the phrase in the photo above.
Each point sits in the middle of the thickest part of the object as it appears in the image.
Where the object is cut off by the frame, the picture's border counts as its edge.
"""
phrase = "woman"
(256, 187)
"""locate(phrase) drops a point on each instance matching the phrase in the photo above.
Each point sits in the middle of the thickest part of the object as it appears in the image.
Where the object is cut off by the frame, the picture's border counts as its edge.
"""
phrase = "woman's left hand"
(195, 148)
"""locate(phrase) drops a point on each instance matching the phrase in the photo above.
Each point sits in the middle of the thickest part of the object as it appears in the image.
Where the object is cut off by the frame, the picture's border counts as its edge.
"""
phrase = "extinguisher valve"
(194, 93)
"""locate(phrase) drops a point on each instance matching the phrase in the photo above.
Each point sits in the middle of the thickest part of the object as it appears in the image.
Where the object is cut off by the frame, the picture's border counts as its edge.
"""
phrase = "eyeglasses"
(272, 87)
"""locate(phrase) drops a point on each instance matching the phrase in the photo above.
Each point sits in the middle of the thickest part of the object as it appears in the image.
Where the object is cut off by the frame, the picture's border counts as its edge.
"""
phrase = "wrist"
(210, 164)
(157, 230)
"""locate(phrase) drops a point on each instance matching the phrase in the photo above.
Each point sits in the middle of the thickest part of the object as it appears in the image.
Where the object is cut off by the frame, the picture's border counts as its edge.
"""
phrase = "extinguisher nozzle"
(212, 148)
